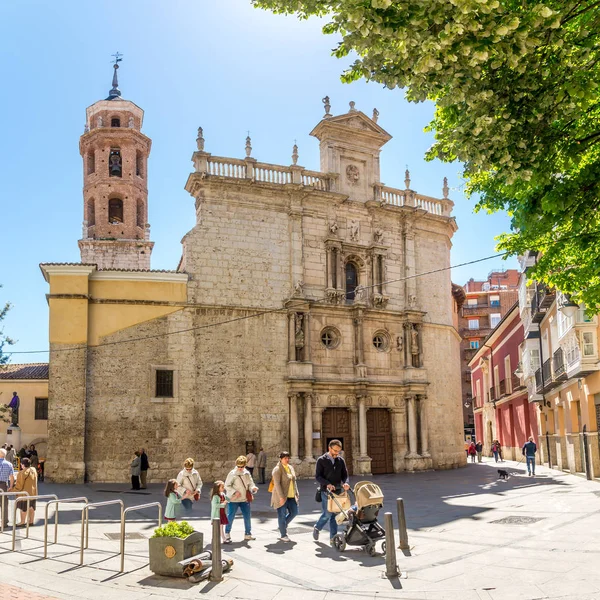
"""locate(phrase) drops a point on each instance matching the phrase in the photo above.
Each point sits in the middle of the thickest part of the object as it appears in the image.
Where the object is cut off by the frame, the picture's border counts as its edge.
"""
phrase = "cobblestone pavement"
(472, 537)
(10, 592)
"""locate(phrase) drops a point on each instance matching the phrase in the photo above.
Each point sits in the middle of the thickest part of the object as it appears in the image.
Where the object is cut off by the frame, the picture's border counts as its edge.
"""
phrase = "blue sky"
(222, 65)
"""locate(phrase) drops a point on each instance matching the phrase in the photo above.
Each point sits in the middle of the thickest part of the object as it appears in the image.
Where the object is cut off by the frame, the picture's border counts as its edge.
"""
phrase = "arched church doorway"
(336, 426)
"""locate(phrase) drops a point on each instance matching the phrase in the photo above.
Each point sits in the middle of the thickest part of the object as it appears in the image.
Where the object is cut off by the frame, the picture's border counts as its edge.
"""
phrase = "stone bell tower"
(115, 153)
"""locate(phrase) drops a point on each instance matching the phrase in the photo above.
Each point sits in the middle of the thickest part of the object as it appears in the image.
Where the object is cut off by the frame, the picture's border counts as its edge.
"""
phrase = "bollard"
(216, 573)
(391, 565)
(402, 526)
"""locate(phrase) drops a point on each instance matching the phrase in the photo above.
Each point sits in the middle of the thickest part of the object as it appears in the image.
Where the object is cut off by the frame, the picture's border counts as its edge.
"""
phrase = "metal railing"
(57, 502)
(547, 372)
(123, 517)
(27, 499)
(558, 360)
(3, 504)
(539, 383)
(85, 516)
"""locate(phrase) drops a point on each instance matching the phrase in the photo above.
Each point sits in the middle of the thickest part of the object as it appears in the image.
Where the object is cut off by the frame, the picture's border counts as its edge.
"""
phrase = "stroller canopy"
(368, 494)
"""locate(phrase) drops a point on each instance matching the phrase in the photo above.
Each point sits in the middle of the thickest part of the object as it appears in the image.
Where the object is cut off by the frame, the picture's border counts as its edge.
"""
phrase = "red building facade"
(501, 406)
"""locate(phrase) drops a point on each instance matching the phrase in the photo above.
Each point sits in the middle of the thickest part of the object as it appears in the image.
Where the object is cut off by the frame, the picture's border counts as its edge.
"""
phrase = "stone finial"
(445, 189)
(352, 105)
(407, 179)
(295, 154)
(115, 92)
(200, 139)
(327, 107)
(248, 146)
(375, 115)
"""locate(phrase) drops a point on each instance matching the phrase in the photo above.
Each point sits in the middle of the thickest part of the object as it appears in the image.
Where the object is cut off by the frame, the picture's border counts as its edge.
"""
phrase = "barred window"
(41, 409)
(164, 383)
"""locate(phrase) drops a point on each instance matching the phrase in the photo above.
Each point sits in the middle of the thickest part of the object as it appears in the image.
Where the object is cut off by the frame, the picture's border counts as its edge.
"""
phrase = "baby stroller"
(362, 528)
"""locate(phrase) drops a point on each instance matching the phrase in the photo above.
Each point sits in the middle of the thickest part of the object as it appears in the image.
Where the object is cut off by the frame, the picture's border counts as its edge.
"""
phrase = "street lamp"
(518, 372)
(568, 307)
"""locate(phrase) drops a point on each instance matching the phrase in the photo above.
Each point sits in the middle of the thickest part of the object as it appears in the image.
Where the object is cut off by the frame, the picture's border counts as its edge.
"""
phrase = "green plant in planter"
(174, 529)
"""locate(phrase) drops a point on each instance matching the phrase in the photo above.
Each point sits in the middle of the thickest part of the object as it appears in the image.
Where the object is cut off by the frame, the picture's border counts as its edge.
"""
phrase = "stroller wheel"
(339, 542)
(383, 547)
(370, 549)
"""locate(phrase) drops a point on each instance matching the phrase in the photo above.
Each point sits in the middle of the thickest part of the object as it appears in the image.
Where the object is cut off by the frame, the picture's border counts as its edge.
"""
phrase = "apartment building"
(560, 365)
(485, 305)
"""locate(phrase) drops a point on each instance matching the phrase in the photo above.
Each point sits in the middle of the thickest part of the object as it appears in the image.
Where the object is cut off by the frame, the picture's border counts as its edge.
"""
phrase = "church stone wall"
(230, 389)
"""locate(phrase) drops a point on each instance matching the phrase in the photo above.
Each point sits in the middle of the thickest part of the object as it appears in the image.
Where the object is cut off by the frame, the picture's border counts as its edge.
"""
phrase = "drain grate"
(128, 536)
(518, 520)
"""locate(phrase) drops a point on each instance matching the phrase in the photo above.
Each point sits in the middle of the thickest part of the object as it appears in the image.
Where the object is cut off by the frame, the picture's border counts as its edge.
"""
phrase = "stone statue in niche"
(414, 346)
(299, 335)
(130, 123)
(359, 293)
(354, 230)
(399, 343)
(99, 122)
(333, 227)
(378, 235)
(352, 174)
(412, 301)
(298, 288)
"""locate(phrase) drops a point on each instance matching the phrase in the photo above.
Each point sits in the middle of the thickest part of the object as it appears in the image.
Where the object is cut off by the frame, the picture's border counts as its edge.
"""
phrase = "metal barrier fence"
(27, 499)
(85, 517)
(57, 502)
(4, 506)
(123, 517)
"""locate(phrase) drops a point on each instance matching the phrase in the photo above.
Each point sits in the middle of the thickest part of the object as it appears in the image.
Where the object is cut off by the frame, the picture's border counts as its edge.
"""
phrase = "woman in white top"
(240, 490)
(250, 461)
(189, 479)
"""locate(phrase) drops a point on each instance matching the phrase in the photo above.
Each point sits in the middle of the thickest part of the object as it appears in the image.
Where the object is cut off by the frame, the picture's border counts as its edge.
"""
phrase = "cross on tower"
(118, 58)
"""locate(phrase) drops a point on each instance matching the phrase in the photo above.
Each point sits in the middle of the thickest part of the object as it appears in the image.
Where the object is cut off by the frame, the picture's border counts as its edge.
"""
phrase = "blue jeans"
(325, 516)
(496, 456)
(187, 504)
(531, 464)
(285, 514)
(232, 508)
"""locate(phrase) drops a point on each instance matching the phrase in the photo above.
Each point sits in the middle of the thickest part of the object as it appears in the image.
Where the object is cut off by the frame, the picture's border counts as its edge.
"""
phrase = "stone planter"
(166, 552)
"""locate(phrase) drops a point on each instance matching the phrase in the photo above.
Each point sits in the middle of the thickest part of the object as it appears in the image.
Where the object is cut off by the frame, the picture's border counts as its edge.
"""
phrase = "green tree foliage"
(515, 83)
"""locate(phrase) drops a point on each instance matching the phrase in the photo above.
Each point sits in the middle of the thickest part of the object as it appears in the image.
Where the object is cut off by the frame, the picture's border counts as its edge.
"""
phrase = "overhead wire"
(250, 316)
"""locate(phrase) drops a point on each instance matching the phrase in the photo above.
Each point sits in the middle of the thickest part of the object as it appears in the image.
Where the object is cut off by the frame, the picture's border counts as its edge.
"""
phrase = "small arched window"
(140, 214)
(139, 164)
(91, 212)
(91, 162)
(115, 122)
(351, 280)
(115, 163)
(115, 211)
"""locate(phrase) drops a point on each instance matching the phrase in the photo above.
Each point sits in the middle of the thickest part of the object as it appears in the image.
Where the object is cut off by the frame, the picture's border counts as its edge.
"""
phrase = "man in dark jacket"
(529, 450)
(331, 474)
(144, 466)
(479, 449)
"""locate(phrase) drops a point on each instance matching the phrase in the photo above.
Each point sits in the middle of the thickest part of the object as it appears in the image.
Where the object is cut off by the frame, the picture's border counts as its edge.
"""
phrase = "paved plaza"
(472, 537)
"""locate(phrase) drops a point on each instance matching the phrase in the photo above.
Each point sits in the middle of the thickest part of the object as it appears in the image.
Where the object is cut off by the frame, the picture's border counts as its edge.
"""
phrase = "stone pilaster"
(294, 427)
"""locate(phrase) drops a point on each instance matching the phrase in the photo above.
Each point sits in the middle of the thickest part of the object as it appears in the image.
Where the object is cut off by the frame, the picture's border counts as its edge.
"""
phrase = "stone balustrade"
(250, 169)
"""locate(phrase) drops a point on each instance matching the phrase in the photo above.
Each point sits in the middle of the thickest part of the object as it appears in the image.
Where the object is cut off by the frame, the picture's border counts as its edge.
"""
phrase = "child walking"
(174, 498)
(218, 502)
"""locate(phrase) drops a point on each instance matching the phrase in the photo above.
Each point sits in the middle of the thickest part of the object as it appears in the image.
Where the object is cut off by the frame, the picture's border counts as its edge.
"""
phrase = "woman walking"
(190, 480)
(135, 471)
(240, 489)
(472, 451)
(496, 450)
(26, 482)
(285, 494)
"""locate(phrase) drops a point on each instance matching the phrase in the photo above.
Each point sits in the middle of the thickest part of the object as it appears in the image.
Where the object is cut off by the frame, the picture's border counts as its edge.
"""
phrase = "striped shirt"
(6, 470)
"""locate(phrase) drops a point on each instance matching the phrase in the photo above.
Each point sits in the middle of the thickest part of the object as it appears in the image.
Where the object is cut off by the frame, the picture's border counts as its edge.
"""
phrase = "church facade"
(307, 306)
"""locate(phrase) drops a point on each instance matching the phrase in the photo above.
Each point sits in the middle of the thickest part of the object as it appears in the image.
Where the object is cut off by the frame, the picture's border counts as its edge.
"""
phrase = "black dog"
(502, 474)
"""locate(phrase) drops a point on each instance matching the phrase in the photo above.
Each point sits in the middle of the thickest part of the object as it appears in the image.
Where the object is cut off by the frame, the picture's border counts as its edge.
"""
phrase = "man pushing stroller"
(332, 475)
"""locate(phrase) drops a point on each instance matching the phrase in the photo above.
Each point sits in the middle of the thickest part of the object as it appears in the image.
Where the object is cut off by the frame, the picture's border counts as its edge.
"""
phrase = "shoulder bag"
(249, 496)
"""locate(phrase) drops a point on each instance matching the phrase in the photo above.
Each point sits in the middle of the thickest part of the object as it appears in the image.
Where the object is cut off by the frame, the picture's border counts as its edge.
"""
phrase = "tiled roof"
(138, 270)
(26, 371)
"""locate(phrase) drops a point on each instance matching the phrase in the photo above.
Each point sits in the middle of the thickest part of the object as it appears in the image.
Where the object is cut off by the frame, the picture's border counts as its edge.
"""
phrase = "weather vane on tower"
(115, 92)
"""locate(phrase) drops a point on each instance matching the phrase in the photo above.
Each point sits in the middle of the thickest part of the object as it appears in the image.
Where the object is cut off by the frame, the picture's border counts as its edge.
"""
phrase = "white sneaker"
(285, 538)
(227, 540)
(249, 537)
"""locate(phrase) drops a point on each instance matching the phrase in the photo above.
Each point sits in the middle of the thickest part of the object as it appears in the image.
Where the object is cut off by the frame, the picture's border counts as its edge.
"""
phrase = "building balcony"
(473, 310)
(492, 394)
(578, 365)
(539, 382)
(470, 353)
(481, 331)
(541, 302)
(467, 376)
(516, 383)
(560, 368)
